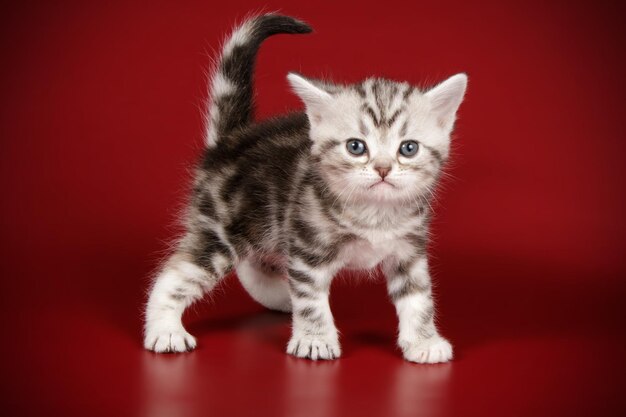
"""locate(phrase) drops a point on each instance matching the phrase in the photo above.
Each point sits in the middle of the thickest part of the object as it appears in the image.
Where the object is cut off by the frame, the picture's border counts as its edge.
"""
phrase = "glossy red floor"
(518, 353)
(101, 119)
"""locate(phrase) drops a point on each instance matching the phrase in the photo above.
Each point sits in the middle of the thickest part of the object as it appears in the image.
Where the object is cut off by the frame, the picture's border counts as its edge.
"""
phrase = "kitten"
(289, 202)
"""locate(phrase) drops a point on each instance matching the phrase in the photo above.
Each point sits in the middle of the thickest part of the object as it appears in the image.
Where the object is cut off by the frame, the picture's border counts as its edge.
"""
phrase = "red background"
(101, 119)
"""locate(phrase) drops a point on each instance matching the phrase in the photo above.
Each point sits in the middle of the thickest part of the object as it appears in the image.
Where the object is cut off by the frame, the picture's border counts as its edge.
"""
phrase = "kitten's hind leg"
(181, 282)
(266, 282)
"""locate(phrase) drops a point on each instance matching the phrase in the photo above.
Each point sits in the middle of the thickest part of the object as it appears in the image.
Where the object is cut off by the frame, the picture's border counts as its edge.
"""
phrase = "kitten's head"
(380, 141)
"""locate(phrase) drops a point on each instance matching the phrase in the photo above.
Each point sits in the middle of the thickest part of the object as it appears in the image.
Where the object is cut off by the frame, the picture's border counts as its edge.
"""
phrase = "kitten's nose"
(383, 171)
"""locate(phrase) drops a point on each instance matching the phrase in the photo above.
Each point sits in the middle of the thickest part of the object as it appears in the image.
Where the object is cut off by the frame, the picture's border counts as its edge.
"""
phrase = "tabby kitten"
(289, 202)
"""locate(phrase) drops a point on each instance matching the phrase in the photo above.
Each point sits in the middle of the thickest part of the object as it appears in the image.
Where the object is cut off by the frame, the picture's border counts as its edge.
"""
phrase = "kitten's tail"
(231, 85)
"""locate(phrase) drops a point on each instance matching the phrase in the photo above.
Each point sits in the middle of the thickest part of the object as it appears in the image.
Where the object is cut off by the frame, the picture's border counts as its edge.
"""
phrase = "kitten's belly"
(362, 254)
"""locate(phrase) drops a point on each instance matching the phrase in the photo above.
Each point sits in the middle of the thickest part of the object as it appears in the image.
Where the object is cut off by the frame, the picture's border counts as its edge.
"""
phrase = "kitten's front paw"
(163, 340)
(314, 347)
(433, 350)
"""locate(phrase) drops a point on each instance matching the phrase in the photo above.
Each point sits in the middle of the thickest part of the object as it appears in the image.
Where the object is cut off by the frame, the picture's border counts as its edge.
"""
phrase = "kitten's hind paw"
(433, 350)
(169, 341)
(314, 347)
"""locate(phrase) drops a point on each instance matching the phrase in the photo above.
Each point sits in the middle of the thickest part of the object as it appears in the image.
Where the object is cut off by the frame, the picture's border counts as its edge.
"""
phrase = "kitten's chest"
(366, 254)
(375, 245)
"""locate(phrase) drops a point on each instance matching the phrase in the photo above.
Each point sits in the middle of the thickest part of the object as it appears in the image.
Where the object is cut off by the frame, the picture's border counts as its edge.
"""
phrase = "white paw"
(314, 347)
(433, 350)
(166, 339)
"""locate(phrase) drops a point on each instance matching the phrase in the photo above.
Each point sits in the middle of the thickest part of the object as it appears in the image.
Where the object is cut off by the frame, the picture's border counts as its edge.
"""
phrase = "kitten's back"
(251, 177)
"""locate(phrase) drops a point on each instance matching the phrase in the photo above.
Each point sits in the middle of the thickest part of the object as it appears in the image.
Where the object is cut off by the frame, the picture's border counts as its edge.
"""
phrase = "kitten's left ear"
(446, 99)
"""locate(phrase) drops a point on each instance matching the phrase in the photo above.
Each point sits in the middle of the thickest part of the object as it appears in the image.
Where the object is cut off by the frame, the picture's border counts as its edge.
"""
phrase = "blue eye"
(356, 147)
(409, 148)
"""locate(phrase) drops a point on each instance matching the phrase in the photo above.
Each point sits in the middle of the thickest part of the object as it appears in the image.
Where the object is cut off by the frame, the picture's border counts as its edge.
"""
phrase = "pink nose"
(383, 171)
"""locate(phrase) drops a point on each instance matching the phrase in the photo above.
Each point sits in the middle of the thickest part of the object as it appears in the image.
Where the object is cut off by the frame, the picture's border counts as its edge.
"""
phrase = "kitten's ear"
(314, 98)
(446, 99)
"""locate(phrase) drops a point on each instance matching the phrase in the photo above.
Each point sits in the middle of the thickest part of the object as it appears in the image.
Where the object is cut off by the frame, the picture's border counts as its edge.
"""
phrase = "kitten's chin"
(381, 184)
(382, 192)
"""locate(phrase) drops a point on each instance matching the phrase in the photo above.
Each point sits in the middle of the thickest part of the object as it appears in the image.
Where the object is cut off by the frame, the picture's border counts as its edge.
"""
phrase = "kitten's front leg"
(314, 334)
(409, 287)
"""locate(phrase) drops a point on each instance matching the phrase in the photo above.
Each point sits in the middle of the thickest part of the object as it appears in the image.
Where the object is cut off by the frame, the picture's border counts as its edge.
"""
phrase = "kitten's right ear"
(314, 98)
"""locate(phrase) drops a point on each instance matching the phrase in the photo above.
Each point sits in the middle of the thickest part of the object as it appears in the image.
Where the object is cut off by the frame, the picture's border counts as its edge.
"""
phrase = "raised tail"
(231, 85)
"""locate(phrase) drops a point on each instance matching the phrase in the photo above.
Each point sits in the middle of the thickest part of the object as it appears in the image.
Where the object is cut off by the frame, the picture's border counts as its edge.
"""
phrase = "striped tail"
(231, 86)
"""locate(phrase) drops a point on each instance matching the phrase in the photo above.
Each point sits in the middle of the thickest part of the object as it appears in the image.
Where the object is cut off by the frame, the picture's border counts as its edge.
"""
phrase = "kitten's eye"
(409, 148)
(356, 147)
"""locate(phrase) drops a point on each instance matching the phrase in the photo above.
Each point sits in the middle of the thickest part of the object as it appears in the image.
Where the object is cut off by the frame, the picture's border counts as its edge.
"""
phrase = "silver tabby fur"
(285, 204)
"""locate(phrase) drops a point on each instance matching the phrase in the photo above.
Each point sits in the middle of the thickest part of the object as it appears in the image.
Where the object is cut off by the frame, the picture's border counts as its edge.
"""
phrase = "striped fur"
(231, 86)
(284, 203)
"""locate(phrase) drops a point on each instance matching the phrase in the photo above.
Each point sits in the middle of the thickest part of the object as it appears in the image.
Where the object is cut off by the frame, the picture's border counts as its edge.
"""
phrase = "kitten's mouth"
(381, 183)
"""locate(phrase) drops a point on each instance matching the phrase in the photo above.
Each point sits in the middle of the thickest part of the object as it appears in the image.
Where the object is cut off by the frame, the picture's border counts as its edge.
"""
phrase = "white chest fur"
(365, 254)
